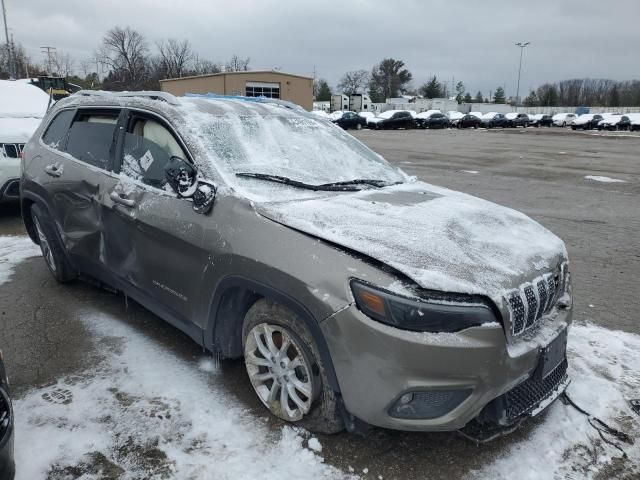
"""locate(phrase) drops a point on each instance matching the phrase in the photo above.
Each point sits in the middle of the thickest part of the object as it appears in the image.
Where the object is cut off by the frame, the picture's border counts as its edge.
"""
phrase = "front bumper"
(9, 178)
(377, 364)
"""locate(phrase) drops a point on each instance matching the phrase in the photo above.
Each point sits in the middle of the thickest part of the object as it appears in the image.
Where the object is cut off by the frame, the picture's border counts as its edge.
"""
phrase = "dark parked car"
(519, 120)
(469, 121)
(497, 121)
(586, 122)
(435, 120)
(7, 467)
(393, 119)
(351, 120)
(266, 234)
(540, 120)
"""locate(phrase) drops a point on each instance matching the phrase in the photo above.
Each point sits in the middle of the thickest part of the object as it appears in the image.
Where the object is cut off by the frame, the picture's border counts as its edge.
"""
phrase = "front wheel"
(285, 369)
(358, 126)
(51, 246)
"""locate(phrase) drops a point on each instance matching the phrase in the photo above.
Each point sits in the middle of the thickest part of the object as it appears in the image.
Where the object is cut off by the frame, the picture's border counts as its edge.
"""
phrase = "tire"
(475, 126)
(526, 125)
(564, 124)
(51, 246)
(267, 318)
(358, 126)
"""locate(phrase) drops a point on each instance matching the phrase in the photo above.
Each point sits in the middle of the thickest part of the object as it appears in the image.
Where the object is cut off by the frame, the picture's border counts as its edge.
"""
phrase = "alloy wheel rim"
(44, 246)
(279, 371)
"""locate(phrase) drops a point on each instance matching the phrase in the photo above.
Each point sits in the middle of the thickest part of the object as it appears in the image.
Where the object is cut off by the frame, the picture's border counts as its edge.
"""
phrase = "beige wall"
(294, 89)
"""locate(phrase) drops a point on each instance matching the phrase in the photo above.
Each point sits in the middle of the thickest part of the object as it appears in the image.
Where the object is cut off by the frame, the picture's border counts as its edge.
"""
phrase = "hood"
(441, 239)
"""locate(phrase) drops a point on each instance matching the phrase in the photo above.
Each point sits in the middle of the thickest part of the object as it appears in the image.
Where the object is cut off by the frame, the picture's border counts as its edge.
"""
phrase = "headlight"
(447, 314)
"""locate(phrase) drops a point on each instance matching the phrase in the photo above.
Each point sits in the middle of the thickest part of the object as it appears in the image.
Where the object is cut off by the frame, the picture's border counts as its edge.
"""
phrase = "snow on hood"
(441, 239)
(20, 99)
(17, 130)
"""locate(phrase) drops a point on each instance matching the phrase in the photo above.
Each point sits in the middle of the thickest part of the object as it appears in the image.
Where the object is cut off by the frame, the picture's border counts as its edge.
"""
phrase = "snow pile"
(442, 239)
(147, 413)
(13, 250)
(604, 366)
(20, 99)
(598, 178)
(17, 130)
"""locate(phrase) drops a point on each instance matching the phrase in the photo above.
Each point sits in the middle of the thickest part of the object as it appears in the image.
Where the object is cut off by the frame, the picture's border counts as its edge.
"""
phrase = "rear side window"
(91, 138)
(57, 131)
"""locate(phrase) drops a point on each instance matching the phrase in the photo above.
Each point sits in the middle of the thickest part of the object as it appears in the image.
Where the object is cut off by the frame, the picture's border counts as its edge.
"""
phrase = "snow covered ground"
(140, 412)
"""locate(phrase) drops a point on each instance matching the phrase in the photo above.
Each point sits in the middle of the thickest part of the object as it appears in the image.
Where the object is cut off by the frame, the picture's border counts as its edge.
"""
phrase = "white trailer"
(339, 102)
(360, 102)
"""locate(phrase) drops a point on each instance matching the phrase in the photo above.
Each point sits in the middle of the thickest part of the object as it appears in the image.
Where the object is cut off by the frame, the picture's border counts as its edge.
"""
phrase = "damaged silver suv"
(356, 294)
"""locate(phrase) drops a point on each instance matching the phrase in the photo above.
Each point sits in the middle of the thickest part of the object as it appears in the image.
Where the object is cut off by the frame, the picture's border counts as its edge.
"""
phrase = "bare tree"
(125, 52)
(201, 66)
(62, 64)
(176, 56)
(353, 82)
(237, 64)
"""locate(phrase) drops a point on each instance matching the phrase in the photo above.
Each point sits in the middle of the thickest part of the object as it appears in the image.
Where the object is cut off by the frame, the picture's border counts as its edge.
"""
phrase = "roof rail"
(273, 101)
(151, 95)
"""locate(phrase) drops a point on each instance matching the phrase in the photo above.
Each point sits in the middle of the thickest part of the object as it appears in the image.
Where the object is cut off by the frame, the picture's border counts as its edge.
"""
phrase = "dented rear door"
(76, 172)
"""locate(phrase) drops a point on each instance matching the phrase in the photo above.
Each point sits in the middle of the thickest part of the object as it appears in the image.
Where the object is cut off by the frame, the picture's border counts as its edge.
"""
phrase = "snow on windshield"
(275, 141)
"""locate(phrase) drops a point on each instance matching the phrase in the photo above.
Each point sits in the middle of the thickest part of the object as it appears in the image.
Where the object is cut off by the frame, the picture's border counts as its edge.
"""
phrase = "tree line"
(595, 92)
(130, 61)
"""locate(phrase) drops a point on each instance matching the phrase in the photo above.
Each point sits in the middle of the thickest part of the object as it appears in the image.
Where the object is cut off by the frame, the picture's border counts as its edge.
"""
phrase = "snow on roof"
(512, 115)
(427, 114)
(17, 130)
(21, 99)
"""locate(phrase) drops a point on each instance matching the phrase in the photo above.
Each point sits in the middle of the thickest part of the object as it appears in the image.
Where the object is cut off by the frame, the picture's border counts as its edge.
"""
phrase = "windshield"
(290, 145)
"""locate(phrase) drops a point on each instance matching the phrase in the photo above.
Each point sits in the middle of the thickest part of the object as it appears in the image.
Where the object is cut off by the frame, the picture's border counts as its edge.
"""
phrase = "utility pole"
(521, 46)
(12, 65)
(50, 52)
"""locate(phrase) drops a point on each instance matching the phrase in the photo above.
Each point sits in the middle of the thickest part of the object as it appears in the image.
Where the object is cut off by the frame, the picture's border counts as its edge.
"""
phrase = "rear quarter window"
(56, 132)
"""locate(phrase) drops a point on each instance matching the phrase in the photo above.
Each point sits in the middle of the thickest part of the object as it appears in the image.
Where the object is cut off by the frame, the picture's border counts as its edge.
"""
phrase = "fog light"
(428, 403)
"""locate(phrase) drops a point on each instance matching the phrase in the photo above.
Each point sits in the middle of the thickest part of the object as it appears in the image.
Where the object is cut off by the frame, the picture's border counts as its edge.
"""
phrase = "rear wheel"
(51, 247)
(285, 369)
(358, 126)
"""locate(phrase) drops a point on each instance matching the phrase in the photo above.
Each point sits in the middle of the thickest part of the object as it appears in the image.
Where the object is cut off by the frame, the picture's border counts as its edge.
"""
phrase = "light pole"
(12, 72)
(521, 45)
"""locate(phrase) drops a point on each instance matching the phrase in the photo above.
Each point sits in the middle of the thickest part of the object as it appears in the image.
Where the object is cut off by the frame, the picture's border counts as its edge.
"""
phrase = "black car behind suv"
(7, 467)
(351, 120)
(435, 120)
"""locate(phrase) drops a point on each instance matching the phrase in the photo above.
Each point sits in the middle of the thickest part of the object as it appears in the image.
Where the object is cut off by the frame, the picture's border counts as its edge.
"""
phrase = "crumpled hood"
(441, 239)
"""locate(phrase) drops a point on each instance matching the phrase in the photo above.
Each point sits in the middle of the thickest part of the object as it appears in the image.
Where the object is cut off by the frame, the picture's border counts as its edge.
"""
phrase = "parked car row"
(395, 119)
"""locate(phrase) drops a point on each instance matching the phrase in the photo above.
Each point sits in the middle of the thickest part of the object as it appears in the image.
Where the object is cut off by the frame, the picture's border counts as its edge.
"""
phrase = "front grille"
(529, 394)
(532, 300)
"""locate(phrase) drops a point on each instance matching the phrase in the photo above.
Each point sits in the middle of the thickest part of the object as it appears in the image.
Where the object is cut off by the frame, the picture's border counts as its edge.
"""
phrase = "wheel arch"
(232, 299)
(27, 200)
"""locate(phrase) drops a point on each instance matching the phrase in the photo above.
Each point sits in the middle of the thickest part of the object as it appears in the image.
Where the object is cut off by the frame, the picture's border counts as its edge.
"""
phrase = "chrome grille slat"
(532, 300)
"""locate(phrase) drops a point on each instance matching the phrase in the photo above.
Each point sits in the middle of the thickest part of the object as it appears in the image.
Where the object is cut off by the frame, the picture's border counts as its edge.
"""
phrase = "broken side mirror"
(204, 196)
(181, 175)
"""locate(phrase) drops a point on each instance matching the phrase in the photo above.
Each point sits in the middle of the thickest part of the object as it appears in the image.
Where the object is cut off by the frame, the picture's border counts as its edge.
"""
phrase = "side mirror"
(181, 175)
(203, 197)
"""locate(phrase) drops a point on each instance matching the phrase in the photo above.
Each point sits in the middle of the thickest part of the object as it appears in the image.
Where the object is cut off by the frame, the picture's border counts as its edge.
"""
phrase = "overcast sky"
(470, 40)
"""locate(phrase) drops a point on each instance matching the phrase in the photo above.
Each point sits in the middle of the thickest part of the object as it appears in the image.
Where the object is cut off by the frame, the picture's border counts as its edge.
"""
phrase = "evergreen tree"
(460, 92)
(479, 98)
(531, 100)
(323, 91)
(388, 79)
(467, 98)
(432, 89)
(499, 97)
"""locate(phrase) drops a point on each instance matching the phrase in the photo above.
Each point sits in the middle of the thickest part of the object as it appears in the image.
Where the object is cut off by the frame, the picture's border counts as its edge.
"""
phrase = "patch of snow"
(17, 130)
(314, 444)
(470, 171)
(604, 367)
(153, 415)
(13, 250)
(21, 99)
(598, 178)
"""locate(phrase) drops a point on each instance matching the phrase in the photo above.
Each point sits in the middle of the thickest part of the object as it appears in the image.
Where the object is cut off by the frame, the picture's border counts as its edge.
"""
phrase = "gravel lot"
(540, 172)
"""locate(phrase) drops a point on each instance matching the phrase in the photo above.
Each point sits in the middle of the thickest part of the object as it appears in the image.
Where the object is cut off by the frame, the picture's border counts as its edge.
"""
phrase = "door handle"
(53, 169)
(122, 199)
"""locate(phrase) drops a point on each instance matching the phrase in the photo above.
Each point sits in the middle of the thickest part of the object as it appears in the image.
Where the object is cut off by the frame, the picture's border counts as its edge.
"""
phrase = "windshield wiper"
(346, 186)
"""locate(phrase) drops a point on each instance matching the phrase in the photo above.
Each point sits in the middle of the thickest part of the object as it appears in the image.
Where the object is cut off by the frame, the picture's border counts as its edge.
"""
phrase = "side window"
(91, 137)
(56, 133)
(148, 148)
